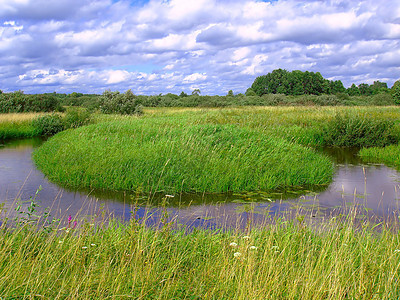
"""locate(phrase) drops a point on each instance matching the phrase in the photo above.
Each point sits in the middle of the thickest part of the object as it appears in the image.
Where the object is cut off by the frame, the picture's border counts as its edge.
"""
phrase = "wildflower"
(61, 241)
(69, 219)
(84, 247)
(233, 244)
(93, 245)
(237, 254)
(397, 250)
(253, 248)
(246, 237)
(169, 196)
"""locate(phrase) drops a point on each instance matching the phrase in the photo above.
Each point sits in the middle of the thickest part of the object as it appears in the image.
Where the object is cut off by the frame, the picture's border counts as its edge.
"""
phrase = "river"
(373, 188)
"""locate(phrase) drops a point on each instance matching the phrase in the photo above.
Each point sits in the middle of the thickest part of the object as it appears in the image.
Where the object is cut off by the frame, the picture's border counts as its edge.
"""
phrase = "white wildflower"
(84, 247)
(237, 254)
(233, 244)
(253, 248)
(93, 245)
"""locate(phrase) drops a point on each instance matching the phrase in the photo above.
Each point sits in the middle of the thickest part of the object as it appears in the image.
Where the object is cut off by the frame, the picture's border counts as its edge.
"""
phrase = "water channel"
(374, 188)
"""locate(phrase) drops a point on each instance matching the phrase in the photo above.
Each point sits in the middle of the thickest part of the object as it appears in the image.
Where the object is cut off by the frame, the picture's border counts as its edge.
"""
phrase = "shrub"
(76, 117)
(19, 102)
(48, 124)
(382, 99)
(114, 102)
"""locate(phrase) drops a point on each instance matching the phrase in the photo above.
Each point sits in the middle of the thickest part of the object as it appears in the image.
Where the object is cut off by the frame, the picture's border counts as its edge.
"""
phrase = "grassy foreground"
(286, 260)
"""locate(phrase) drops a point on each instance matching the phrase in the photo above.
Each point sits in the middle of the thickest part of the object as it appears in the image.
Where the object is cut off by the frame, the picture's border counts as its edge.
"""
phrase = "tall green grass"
(389, 155)
(154, 154)
(14, 126)
(282, 260)
(213, 150)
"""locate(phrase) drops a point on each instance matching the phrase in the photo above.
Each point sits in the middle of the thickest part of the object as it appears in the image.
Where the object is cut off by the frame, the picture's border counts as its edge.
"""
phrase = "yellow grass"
(18, 117)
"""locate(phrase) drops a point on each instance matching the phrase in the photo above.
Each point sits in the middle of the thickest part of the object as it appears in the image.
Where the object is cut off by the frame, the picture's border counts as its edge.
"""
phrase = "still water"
(372, 187)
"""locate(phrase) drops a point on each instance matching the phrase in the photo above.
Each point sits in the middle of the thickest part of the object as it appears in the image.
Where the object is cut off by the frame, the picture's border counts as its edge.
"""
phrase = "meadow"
(236, 149)
(213, 150)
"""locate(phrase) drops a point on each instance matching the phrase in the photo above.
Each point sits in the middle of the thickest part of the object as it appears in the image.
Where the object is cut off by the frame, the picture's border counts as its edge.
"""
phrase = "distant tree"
(396, 92)
(230, 93)
(379, 87)
(336, 87)
(293, 83)
(183, 94)
(196, 92)
(365, 89)
(353, 90)
(1, 92)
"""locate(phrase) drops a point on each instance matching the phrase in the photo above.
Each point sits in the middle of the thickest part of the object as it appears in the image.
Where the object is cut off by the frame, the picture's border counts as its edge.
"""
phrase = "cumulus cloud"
(160, 46)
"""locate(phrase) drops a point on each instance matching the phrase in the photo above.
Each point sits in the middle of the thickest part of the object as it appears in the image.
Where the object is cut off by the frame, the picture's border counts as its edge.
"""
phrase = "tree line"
(297, 83)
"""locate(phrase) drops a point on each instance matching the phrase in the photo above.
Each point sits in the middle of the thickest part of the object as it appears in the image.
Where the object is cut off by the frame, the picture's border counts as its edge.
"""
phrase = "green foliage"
(295, 83)
(48, 124)
(18, 102)
(196, 92)
(353, 90)
(76, 117)
(396, 92)
(365, 89)
(114, 102)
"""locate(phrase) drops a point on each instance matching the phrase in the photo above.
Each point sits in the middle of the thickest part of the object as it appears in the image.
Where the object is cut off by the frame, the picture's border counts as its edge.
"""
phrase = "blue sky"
(161, 46)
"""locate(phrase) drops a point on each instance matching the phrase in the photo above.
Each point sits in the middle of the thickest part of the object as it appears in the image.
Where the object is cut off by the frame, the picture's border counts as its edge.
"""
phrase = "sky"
(170, 46)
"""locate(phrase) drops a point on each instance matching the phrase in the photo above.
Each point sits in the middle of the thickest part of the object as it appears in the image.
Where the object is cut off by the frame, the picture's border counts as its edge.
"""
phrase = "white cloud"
(215, 45)
(195, 77)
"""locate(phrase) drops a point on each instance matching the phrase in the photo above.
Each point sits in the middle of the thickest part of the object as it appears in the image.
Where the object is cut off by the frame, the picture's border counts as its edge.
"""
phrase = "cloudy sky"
(161, 46)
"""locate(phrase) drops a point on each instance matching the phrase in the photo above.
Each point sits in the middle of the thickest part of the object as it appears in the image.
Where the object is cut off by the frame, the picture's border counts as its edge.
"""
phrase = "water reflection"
(374, 188)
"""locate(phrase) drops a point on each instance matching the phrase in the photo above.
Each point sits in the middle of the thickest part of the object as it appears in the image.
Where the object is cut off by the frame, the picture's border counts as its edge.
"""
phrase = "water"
(374, 188)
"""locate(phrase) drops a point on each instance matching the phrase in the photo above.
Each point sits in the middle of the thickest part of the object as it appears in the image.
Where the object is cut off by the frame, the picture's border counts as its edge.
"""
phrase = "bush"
(48, 124)
(114, 102)
(76, 117)
(382, 99)
(18, 102)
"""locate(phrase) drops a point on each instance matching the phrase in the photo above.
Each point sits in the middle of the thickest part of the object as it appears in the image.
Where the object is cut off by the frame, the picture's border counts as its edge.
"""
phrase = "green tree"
(365, 89)
(230, 93)
(379, 87)
(396, 92)
(183, 94)
(336, 87)
(250, 92)
(353, 90)
(196, 92)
